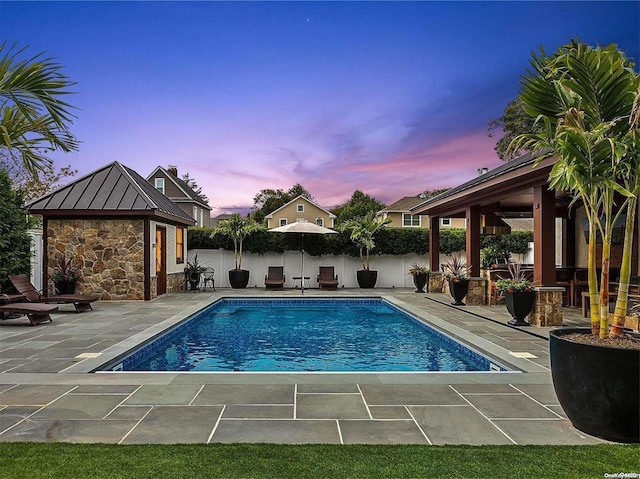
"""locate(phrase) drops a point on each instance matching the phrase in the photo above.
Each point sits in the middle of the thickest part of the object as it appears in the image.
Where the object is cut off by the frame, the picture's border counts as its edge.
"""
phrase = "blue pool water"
(303, 335)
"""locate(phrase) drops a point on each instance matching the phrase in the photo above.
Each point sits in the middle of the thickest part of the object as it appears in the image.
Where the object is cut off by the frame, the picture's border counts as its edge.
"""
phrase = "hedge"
(389, 241)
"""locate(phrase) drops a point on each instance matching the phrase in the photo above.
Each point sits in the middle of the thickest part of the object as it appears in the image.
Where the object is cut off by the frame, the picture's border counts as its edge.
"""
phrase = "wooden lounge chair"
(37, 313)
(327, 278)
(82, 302)
(275, 277)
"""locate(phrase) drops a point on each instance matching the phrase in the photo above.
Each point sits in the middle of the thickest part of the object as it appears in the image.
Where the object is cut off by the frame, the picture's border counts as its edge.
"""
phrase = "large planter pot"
(597, 386)
(458, 290)
(420, 280)
(194, 281)
(65, 286)
(519, 304)
(367, 278)
(238, 278)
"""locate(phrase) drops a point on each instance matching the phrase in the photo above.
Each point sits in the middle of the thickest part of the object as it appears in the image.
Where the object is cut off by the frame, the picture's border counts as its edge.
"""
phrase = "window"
(283, 221)
(300, 208)
(179, 245)
(319, 221)
(160, 185)
(410, 220)
(445, 221)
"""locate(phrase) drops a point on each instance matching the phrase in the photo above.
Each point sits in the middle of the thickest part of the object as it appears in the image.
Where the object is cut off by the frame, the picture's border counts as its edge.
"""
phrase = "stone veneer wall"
(435, 282)
(176, 283)
(477, 295)
(110, 253)
(547, 310)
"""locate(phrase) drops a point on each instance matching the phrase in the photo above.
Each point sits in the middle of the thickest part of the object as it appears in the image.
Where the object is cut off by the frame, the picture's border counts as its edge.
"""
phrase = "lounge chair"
(327, 278)
(82, 302)
(37, 313)
(275, 277)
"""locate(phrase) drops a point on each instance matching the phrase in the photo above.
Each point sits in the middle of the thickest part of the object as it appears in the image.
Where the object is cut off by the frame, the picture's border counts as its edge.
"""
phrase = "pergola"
(516, 188)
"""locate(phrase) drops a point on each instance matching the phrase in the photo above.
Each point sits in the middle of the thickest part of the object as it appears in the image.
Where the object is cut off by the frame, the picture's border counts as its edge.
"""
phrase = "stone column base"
(547, 310)
(436, 281)
(477, 295)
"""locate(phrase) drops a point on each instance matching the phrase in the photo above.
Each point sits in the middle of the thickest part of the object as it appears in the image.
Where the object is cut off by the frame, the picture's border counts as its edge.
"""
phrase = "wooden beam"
(544, 236)
(434, 243)
(473, 240)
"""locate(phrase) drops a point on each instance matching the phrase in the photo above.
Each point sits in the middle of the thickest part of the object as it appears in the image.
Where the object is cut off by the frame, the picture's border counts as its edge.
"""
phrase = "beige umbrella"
(302, 227)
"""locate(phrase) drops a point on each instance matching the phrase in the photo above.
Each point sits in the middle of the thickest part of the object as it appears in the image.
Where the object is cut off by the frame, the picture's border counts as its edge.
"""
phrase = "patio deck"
(46, 393)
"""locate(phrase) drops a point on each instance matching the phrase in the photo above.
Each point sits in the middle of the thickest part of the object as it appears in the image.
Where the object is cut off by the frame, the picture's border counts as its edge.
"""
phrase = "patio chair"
(327, 278)
(209, 276)
(493, 295)
(82, 302)
(275, 277)
(37, 313)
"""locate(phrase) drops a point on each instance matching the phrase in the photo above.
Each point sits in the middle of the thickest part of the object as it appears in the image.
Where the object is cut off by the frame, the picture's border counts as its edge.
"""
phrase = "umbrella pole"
(302, 265)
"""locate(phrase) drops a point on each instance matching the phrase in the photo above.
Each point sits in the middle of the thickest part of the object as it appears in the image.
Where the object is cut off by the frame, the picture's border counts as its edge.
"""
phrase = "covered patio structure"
(514, 189)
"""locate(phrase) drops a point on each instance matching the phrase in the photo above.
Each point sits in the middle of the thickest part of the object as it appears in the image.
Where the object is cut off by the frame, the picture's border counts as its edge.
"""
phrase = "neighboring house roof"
(403, 205)
(221, 217)
(189, 194)
(113, 190)
(331, 215)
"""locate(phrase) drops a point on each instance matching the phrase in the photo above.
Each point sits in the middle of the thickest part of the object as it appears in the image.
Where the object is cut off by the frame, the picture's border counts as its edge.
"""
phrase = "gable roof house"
(178, 191)
(128, 239)
(402, 217)
(300, 209)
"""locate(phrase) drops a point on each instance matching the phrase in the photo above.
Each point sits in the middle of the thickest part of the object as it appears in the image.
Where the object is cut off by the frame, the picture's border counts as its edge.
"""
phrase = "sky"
(391, 98)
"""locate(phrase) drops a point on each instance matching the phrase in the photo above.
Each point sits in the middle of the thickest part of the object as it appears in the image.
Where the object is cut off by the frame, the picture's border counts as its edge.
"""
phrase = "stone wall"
(547, 310)
(176, 283)
(435, 282)
(477, 295)
(110, 253)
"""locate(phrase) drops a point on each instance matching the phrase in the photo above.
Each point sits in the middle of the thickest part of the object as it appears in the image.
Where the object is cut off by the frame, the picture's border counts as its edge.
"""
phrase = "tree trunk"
(625, 271)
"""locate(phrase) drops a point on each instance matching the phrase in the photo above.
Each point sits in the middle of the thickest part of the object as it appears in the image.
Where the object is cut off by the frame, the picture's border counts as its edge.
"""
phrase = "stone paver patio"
(47, 392)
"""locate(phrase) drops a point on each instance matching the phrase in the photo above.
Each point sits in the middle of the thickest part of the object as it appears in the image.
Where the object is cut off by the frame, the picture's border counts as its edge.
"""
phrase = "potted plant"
(237, 228)
(420, 275)
(65, 275)
(193, 271)
(362, 232)
(456, 272)
(594, 131)
(519, 295)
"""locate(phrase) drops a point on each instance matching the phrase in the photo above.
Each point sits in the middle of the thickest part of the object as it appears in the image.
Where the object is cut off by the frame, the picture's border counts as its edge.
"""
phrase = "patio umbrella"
(302, 227)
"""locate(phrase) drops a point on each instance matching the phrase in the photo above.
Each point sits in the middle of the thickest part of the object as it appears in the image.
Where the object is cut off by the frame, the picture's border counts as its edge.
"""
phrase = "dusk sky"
(391, 98)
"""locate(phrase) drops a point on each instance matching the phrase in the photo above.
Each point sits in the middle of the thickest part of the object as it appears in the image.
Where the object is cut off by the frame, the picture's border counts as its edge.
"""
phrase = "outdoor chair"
(493, 295)
(37, 313)
(209, 276)
(82, 302)
(275, 277)
(327, 278)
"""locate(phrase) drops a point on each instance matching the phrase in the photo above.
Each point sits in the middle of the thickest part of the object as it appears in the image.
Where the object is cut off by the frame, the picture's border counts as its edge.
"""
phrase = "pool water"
(303, 335)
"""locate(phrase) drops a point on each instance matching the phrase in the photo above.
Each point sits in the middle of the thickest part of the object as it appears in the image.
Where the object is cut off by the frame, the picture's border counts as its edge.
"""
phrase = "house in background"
(401, 216)
(300, 209)
(217, 220)
(128, 239)
(178, 191)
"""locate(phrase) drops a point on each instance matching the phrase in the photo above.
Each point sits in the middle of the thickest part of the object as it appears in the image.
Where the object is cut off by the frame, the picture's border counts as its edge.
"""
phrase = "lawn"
(59, 460)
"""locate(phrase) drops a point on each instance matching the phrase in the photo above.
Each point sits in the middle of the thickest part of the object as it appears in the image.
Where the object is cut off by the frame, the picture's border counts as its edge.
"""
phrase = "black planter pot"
(420, 280)
(238, 278)
(65, 286)
(367, 278)
(519, 304)
(597, 386)
(458, 290)
(194, 281)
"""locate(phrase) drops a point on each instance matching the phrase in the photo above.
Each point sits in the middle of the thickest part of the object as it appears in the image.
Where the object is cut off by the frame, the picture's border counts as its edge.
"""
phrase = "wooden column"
(434, 243)
(544, 236)
(473, 240)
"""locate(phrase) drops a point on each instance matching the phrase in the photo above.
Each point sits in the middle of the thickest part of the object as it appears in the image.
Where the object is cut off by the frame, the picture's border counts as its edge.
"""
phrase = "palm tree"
(362, 232)
(237, 228)
(34, 119)
(582, 98)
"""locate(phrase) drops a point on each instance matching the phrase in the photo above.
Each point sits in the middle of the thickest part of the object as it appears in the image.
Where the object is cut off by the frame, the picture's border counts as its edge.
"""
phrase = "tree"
(268, 200)
(34, 187)
(358, 206)
(582, 99)
(34, 120)
(363, 230)
(197, 189)
(237, 229)
(513, 122)
(15, 242)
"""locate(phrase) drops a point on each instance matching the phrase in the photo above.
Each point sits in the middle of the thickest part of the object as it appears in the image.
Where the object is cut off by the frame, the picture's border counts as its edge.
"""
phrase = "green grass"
(59, 460)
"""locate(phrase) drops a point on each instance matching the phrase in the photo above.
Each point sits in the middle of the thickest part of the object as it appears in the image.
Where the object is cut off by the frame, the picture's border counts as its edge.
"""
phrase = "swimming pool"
(303, 335)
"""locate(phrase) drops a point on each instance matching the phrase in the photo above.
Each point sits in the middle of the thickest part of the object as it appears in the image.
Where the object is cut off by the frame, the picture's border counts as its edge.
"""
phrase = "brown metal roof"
(113, 190)
(404, 204)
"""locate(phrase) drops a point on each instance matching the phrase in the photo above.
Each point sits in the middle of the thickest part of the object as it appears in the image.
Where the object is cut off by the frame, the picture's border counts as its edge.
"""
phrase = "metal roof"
(113, 189)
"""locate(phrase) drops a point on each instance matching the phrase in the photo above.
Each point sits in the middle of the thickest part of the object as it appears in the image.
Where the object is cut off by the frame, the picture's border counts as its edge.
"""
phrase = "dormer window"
(300, 208)
(159, 183)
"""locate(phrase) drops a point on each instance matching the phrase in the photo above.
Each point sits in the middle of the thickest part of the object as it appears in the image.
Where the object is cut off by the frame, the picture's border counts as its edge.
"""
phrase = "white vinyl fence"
(392, 270)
